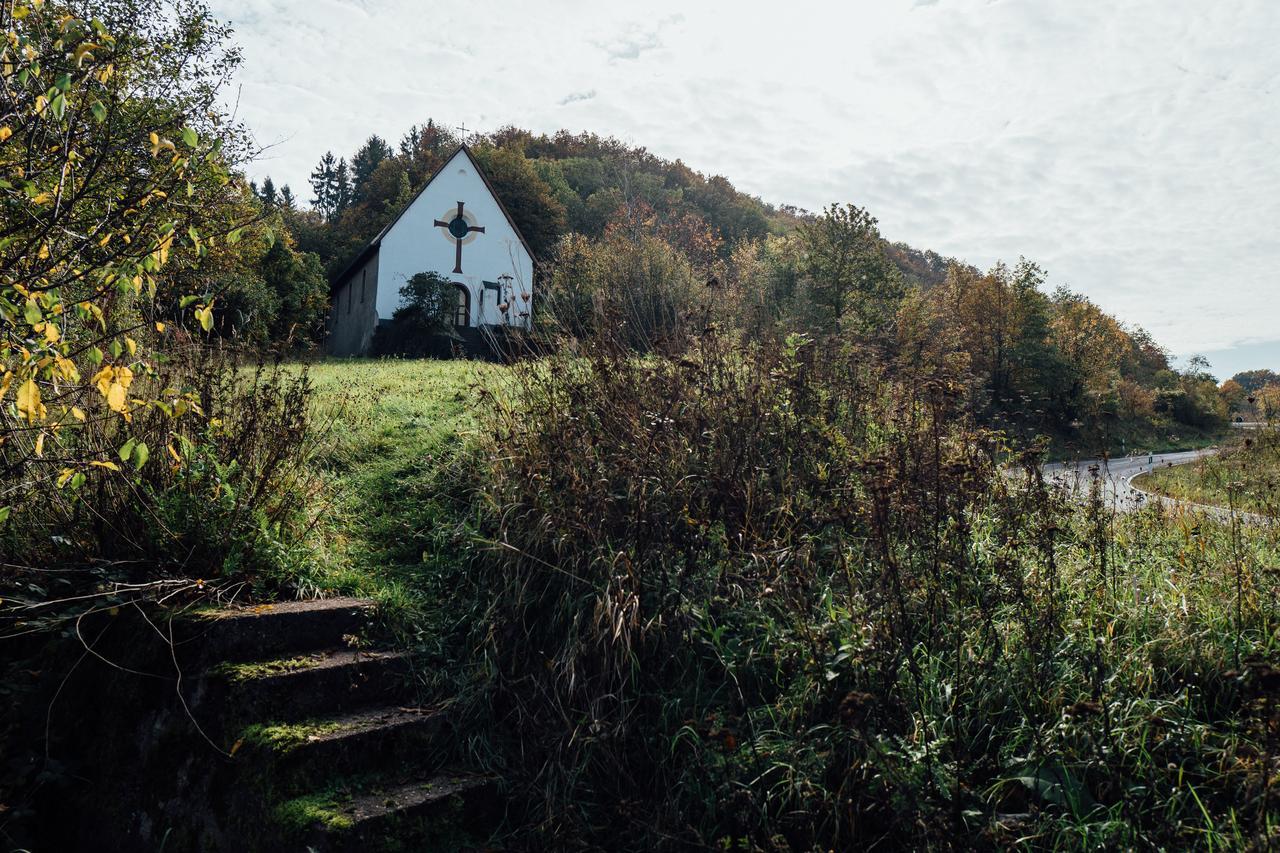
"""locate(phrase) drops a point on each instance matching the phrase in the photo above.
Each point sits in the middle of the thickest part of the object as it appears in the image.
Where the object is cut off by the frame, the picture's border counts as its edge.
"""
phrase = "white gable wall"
(415, 244)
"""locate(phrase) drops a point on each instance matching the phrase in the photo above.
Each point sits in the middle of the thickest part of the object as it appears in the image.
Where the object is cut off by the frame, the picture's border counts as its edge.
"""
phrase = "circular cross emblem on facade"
(460, 227)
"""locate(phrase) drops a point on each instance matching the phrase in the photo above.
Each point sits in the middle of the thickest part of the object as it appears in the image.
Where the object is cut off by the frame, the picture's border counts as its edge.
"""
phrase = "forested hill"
(553, 185)
(630, 243)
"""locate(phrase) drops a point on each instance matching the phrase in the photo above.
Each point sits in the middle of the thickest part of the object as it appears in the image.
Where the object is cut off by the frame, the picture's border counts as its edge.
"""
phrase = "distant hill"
(553, 185)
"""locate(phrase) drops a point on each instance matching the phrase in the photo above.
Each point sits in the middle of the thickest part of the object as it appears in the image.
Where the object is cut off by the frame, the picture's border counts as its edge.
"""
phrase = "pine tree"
(323, 185)
(268, 192)
(341, 188)
(363, 165)
(287, 201)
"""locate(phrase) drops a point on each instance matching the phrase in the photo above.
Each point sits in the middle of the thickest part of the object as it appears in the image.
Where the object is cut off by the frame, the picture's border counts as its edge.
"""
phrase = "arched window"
(462, 311)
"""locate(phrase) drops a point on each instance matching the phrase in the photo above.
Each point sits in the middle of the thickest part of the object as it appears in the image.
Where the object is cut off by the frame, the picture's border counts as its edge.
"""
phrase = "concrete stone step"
(257, 632)
(365, 741)
(300, 687)
(442, 812)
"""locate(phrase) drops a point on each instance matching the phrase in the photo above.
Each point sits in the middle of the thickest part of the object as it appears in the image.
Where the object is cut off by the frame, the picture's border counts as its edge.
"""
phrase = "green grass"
(393, 427)
(1244, 476)
(391, 507)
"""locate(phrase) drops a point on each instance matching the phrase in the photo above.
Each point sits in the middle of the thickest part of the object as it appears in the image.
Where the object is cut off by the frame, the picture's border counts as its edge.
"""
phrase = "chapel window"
(462, 310)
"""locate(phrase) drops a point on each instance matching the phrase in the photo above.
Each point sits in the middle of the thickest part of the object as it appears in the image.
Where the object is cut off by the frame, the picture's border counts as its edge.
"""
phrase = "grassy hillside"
(663, 627)
(1246, 476)
(393, 427)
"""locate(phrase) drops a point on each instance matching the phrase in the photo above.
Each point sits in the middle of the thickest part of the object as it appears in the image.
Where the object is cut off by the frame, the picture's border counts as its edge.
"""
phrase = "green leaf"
(63, 81)
(4, 514)
(94, 355)
(205, 316)
(189, 137)
(269, 236)
(32, 313)
(77, 481)
(99, 111)
(140, 455)
(127, 450)
(116, 348)
(187, 301)
(234, 237)
(58, 105)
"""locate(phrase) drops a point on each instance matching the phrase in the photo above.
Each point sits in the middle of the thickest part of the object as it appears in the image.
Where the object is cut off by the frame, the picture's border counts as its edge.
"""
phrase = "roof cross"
(458, 229)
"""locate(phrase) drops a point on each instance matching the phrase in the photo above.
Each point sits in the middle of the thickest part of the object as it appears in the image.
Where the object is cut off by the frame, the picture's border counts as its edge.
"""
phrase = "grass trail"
(395, 425)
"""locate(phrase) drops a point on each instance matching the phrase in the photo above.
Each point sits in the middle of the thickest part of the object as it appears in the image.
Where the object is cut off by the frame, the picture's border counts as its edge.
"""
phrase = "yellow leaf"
(160, 327)
(77, 413)
(40, 444)
(124, 376)
(83, 50)
(116, 397)
(103, 378)
(5, 133)
(235, 747)
(174, 454)
(155, 143)
(131, 344)
(67, 369)
(41, 103)
(5, 382)
(42, 199)
(51, 333)
(106, 238)
(29, 405)
(64, 476)
(110, 466)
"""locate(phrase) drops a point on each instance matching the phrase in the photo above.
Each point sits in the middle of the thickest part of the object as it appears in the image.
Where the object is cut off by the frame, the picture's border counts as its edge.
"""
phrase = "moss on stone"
(283, 737)
(312, 810)
(263, 669)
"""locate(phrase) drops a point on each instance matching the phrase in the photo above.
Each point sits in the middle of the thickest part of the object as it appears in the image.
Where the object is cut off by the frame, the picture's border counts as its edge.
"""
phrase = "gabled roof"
(368, 251)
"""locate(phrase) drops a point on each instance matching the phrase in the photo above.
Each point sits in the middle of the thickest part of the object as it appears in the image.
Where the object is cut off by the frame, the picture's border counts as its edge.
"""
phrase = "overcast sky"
(1128, 146)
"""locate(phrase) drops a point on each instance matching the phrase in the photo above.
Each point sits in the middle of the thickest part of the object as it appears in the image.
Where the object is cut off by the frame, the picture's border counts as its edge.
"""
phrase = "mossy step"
(365, 740)
(300, 687)
(248, 632)
(442, 812)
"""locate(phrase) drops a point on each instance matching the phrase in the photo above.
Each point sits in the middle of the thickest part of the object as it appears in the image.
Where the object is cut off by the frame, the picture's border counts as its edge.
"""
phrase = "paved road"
(1117, 475)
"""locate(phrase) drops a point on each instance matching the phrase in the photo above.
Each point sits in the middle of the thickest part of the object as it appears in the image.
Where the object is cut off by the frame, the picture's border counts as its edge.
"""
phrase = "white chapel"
(455, 226)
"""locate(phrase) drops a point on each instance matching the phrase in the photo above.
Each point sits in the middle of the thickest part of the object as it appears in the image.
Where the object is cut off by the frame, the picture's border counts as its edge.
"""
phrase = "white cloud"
(1127, 145)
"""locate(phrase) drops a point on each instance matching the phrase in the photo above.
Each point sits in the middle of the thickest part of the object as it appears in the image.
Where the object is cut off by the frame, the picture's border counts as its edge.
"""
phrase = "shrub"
(218, 486)
(421, 325)
(759, 596)
(636, 289)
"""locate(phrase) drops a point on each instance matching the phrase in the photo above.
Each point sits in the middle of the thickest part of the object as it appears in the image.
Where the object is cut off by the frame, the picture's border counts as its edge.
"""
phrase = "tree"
(847, 274)
(537, 213)
(1255, 380)
(422, 324)
(324, 187)
(341, 196)
(114, 168)
(364, 163)
(268, 192)
(1233, 395)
